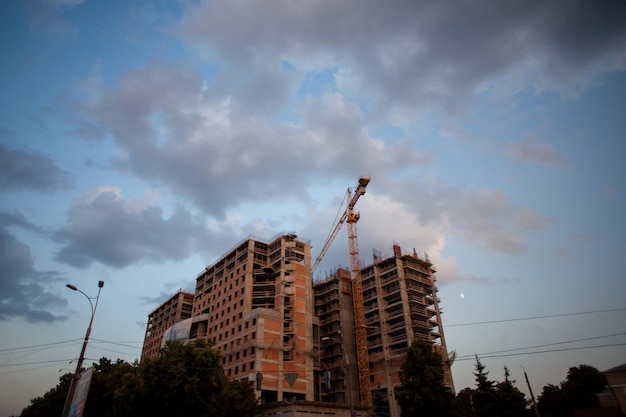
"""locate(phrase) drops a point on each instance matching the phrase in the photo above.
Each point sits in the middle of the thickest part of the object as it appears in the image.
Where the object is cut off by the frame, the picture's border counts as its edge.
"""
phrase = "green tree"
(184, 381)
(422, 391)
(552, 402)
(465, 401)
(510, 401)
(107, 378)
(237, 399)
(582, 384)
(484, 396)
(490, 398)
(577, 392)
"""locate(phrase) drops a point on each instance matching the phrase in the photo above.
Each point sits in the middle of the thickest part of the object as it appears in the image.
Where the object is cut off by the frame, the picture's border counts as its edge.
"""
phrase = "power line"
(36, 363)
(534, 317)
(465, 357)
(544, 351)
(29, 369)
(37, 346)
(118, 343)
(68, 341)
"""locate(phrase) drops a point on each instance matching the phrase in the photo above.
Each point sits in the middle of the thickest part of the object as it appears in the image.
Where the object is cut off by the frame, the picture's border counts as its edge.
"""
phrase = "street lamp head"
(71, 287)
(100, 284)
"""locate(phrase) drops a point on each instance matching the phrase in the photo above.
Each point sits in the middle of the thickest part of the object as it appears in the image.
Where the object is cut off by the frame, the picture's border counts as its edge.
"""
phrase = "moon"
(462, 295)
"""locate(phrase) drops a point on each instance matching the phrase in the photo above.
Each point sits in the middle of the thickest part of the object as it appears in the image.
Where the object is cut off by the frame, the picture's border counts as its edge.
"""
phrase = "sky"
(140, 141)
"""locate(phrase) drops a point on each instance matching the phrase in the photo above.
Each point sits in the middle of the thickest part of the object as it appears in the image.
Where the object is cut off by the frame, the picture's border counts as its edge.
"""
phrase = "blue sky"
(140, 141)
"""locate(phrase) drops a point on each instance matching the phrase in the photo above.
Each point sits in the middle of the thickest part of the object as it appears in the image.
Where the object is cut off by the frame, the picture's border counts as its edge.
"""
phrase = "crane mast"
(359, 313)
(351, 218)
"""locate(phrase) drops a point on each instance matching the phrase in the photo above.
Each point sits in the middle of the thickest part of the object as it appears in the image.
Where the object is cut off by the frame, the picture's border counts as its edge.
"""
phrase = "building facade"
(176, 309)
(400, 304)
(256, 305)
(338, 373)
(614, 396)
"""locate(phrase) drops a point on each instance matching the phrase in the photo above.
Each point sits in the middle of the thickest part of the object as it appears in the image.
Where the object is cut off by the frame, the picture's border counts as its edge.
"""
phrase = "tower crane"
(351, 218)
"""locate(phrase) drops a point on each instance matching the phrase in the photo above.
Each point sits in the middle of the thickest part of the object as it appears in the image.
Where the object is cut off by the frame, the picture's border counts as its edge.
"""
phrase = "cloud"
(416, 54)
(22, 289)
(478, 215)
(261, 130)
(28, 169)
(103, 226)
(172, 129)
(536, 152)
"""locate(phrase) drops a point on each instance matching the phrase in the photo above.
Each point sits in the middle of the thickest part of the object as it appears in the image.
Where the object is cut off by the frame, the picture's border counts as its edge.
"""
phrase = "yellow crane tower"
(351, 218)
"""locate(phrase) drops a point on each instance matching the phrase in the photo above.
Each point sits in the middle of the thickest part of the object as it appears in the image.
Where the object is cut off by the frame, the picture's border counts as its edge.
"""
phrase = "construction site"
(329, 347)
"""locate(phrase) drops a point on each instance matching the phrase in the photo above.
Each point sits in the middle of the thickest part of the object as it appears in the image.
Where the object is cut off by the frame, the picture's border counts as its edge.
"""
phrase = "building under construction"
(295, 340)
(400, 305)
(335, 347)
(175, 310)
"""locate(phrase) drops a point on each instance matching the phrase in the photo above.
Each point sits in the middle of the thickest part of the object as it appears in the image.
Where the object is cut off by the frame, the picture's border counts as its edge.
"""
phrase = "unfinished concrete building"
(296, 341)
(400, 304)
(174, 310)
(256, 305)
(339, 379)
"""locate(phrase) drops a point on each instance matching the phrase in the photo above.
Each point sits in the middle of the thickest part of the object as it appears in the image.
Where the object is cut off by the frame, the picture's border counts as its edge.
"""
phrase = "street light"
(74, 380)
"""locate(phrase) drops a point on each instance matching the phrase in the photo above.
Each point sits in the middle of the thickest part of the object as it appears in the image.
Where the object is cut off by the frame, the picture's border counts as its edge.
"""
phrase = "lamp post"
(74, 380)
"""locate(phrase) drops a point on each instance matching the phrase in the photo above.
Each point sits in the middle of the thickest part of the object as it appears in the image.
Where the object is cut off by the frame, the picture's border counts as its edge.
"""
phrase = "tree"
(184, 381)
(582, 384)
(552, 402)
(491, 399)
(577, 392)
(237, 399)
(107, 378)
(422, 391)
(465, 400)
(510, 401)
(484, 396)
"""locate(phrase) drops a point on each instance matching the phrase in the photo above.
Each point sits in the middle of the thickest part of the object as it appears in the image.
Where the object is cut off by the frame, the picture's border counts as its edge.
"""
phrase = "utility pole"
(532, 397)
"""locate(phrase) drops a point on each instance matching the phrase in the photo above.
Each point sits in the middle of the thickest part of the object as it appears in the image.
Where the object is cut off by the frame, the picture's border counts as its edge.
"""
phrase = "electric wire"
(534, 317)
(465, 357)
(541, 351)
(119, 343)
(42, 345)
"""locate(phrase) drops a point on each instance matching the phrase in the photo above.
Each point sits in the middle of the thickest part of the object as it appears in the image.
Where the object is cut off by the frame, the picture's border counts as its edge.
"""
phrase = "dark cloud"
(416, 53)
(119, 232)
(28, 169)
(22, 289)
